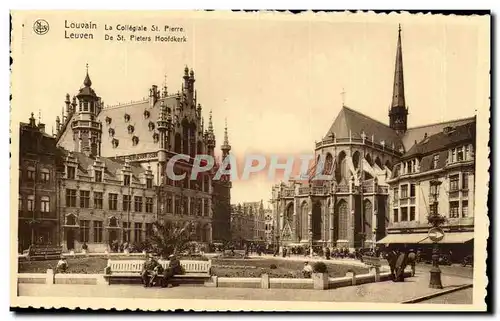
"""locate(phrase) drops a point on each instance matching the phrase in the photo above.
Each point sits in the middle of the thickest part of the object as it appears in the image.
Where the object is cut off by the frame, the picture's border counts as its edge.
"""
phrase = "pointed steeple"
(398, 94)
(210, 124)
(398, 113)
(225, 145)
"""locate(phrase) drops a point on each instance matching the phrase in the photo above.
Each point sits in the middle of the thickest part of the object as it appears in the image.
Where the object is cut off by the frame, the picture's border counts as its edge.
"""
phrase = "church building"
(115, 184)
(354, 209)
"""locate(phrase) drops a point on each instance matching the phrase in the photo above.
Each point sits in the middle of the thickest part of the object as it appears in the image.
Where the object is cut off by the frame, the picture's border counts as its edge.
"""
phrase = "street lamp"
(435, 234)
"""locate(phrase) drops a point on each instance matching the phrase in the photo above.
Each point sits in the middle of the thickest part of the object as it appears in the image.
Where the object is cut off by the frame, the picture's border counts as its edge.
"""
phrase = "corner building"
(353, 209)
(115, 184)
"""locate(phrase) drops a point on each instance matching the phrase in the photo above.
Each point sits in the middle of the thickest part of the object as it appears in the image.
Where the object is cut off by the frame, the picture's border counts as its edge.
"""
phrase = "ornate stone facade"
(119, 186)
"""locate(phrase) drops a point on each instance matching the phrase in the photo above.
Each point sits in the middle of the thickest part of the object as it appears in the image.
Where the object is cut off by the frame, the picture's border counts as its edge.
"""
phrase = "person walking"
(412, 261)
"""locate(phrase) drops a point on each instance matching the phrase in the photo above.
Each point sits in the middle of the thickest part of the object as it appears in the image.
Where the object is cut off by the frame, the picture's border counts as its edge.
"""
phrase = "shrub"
(273, 266)
(320, 267)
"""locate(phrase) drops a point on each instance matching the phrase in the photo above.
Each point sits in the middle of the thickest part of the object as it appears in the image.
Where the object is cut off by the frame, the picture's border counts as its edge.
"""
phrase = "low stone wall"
(318, 281)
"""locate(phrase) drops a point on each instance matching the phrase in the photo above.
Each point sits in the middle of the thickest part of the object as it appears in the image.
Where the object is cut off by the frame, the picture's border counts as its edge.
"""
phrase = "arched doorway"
(342, 216)
(316, 221)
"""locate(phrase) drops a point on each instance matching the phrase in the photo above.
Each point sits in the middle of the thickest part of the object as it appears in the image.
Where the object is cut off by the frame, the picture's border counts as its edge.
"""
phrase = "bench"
(374, 263)
(129, 271)
(43, 252)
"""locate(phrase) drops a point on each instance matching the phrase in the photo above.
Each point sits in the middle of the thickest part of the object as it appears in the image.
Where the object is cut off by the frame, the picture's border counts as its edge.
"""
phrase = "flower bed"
(248, 268)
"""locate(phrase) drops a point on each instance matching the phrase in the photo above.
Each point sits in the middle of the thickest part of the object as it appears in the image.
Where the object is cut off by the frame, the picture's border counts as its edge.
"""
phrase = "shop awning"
(411, 238)
(453, 237)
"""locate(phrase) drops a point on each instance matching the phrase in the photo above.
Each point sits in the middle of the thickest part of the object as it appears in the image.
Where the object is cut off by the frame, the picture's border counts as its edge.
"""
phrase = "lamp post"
(435, 234)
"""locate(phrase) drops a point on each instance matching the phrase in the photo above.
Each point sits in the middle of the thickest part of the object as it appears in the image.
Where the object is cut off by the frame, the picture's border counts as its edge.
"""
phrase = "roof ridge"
(371, 118)
(119, 105)
(444, 122)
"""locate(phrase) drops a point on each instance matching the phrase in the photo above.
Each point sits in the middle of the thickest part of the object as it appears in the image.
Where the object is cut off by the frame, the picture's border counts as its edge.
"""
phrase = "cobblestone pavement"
(459, 297)
(388, 291)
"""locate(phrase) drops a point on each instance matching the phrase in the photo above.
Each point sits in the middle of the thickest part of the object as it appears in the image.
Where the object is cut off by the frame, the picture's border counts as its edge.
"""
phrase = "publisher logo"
(41, 27)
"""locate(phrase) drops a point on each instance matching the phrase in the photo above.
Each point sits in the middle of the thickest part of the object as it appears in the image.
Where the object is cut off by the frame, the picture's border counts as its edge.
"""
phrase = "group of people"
(153, 271)
(398, 260)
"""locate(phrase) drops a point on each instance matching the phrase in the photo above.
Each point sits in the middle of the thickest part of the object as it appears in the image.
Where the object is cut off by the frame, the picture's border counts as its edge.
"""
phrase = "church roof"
(418, 133)
(444, 140)
(350, 120)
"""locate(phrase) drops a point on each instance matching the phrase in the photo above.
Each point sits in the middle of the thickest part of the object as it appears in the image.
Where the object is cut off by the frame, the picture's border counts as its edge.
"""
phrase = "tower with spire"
(87, 130)
(398, 113)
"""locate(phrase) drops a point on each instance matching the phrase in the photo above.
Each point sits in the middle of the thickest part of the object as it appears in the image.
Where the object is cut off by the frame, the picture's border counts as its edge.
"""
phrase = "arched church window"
(343, 215)
(135, 140)
(151, 126)
(130, 129)
(177, 143)
(127, 117)
(328, 164)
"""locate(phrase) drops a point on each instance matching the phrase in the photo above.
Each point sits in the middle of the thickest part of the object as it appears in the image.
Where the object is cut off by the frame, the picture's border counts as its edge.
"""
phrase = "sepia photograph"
(263, 161)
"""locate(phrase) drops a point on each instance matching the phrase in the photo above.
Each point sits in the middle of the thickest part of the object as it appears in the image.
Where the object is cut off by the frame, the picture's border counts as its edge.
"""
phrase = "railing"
(343, 188)
(319, 190)
(288, 193)
(368, 189)
(303, 190)
(383, 190)
(366, 141)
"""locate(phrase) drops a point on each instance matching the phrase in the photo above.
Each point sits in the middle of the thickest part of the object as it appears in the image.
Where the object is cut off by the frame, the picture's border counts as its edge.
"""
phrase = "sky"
(277, 79)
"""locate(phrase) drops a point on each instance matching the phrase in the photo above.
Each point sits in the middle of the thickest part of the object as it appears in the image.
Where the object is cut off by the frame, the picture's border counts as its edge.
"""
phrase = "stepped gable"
(418, 133)
(141, 130)
(350, 120)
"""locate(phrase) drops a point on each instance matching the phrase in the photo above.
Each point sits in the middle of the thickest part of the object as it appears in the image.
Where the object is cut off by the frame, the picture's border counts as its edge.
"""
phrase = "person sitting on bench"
(174, 268)
(150, 270)
(62, 265)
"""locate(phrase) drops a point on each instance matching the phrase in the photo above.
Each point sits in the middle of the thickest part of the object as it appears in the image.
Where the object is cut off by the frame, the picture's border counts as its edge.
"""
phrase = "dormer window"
(156, 137)
(130, 129)
(98, 176)
(135, 140)
(151, 126)
(108, 120)
(435, 161)
(70, 172)
(126, 180)
(115, 143)
(127, 117)
(146, 114)
(111, 132)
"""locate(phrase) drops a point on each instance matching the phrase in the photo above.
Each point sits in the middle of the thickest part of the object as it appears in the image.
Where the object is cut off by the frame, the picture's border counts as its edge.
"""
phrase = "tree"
(170, 239)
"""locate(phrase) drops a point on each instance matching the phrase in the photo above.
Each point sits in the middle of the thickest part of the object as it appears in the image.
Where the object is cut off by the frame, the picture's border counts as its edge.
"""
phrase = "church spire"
(225, 145)
(398, 94)
(398, 113)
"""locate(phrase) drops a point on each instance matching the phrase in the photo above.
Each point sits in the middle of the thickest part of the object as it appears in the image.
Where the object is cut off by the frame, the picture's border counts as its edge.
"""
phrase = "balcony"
(342, 189)
(303, 190)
